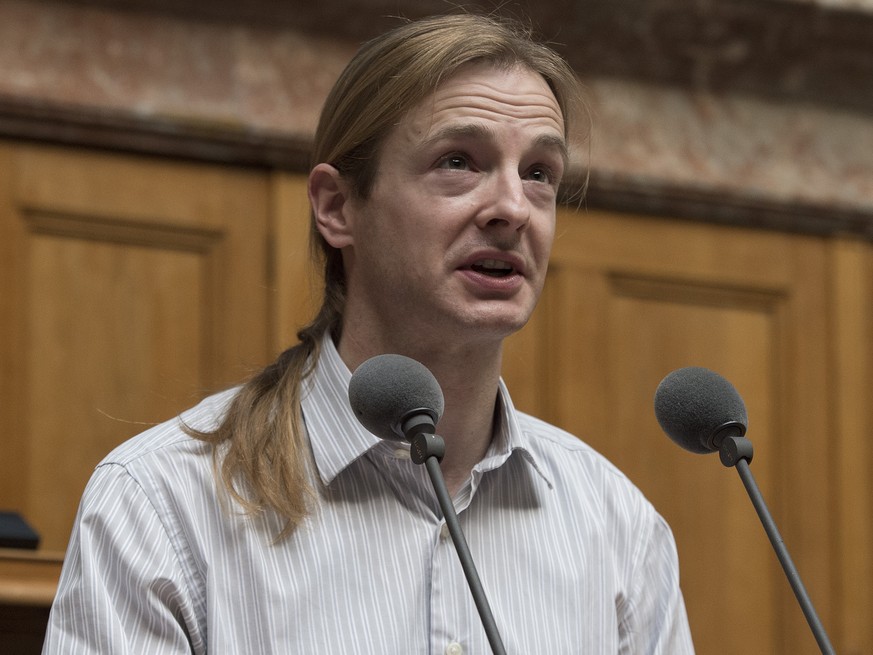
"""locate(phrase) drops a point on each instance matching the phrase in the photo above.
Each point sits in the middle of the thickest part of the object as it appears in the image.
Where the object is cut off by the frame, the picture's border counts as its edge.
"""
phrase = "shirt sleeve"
(656, 622)
(122, 588)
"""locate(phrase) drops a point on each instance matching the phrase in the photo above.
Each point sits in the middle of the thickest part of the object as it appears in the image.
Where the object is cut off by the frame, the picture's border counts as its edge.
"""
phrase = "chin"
(499, 326)
(485, 319)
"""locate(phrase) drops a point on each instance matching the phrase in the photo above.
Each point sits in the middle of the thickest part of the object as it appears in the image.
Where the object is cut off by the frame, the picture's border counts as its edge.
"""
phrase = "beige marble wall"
(269, 81)
(782, 153)
(165, 67)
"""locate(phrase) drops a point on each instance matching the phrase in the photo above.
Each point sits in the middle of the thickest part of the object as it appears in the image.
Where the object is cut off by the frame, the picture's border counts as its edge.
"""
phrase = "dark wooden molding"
(123, 132)
(726, 207)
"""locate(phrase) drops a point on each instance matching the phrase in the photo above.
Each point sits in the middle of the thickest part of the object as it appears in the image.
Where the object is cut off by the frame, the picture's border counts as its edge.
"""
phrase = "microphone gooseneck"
(702, 412)
(398, 399)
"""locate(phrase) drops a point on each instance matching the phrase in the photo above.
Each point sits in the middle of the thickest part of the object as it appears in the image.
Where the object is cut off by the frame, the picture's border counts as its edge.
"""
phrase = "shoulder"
(171, 437)
(165, 463)
(559, 446)
(580, 472)
(165, 473)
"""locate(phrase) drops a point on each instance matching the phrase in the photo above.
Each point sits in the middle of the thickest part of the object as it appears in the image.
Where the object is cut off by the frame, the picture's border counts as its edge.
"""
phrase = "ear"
(329, 196)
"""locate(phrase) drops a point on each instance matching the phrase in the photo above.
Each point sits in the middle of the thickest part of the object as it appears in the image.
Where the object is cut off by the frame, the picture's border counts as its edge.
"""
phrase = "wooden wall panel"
(104, 378)
(848, 441)
(296, 284)
(13, 445)
(140, 286)
(131, 286)
(628, 300)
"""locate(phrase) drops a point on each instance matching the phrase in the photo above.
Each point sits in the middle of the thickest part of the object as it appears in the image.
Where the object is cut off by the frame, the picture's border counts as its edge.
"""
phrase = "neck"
(468, 376)
(468, 423)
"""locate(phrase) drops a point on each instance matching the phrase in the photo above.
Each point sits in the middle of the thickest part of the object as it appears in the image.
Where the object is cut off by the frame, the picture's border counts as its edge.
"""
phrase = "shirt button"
(402, 453)
(454, 648)
(444, 533)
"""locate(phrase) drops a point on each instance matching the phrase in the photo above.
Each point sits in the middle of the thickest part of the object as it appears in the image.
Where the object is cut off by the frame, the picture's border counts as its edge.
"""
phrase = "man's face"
(454, 240)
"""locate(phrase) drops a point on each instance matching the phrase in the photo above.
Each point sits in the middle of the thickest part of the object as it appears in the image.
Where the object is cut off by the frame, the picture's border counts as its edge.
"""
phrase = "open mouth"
(493, 267)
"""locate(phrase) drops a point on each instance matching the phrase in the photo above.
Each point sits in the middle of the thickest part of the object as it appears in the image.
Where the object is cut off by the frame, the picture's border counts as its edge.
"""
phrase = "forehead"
(488, 94)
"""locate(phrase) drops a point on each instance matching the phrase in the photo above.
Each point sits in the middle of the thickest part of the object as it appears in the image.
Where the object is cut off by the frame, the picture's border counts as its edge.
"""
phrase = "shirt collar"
(509, 437)
(338, 439)
(336, 436)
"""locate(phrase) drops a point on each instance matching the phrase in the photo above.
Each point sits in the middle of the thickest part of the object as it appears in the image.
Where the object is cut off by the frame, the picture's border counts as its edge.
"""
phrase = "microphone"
(398, 399)
(703, 413)
(698, 408)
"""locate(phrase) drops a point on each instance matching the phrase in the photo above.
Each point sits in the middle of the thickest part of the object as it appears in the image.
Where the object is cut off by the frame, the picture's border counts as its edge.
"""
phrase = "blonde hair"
(265, 460)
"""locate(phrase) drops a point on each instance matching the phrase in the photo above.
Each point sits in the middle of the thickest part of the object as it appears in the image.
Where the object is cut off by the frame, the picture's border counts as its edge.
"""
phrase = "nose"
(507, 206)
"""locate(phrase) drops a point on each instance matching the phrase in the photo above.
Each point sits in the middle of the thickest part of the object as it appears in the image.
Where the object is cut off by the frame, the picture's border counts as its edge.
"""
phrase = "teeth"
(493, 263)
(493, 267)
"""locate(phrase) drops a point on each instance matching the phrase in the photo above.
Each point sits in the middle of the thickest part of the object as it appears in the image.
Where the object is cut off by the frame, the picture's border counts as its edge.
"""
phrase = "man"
(268, 520)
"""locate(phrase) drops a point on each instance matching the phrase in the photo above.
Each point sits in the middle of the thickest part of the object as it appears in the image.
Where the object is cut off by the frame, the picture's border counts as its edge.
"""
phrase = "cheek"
(543, 235)
(398, 245)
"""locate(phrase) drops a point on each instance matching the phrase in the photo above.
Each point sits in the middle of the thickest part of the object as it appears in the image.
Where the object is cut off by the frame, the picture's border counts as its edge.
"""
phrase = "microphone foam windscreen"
(385, 389)
(692, 403)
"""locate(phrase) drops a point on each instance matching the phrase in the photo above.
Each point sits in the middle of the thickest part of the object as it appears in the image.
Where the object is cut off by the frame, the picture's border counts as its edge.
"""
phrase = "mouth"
(493, 267)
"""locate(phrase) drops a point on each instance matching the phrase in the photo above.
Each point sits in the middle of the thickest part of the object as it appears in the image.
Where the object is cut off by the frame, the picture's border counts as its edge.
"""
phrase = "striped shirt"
(571, 555)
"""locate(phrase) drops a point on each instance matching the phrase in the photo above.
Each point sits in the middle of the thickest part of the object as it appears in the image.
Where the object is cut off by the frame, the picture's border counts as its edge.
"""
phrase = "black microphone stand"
(737, 452)
(429, 449)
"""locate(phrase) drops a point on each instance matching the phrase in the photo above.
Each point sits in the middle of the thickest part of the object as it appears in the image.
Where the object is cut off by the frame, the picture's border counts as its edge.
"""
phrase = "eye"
(541, 174)
(455, 162)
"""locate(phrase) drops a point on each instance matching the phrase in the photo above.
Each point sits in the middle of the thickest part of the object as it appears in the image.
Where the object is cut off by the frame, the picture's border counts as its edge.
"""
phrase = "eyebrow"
(477, 131)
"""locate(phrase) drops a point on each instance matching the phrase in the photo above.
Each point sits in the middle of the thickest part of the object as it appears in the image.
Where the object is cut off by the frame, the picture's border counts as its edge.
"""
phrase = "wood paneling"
(297, 286)
(847, 445)
(628, 300)
(137, 287)
(27, 578)
(129, 287)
